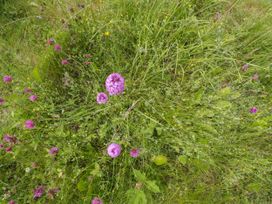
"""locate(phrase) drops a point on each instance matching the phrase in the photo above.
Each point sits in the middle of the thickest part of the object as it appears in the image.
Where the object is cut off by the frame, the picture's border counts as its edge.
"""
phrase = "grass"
(185, 99)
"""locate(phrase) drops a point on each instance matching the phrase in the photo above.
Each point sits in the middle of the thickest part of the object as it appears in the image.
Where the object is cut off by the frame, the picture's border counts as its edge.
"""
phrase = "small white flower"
(27, 169)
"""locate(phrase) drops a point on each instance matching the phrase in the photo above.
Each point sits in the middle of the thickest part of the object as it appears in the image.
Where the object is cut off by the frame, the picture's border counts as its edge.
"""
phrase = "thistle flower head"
(38, 192)
(54, 151)
(7, 79)
(33, 98)
(115, 84)
(114, 150)
(101, 98)
(134, 153)
(29, 124)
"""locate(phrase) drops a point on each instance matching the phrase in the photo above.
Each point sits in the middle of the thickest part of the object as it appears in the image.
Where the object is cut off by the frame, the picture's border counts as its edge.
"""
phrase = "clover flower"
(29, 124)
(38, 192)
(253, 110)
(114, 150)
(134, 153)
(57, 48)
(7, 79)
(97, 200)
(54, 151)
(115, 84)
(101, 98)
(33, 98)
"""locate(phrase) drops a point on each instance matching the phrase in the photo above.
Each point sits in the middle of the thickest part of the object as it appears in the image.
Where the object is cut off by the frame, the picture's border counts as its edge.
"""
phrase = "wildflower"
(9, 139)
(97, 200)
(38, 192)
(115, 84)
(114, 150)
(57, 48)
(2, 101)
(50, 41)
(87, 63)
(33, 98)
(7, 79)
(101, 98)
(245, 67)
(134, 153)
(253, 110)
(9, 149)
(87, 55)
(27, 90)
(107, 33)
(27, 169)
(1, 146)
(255, 77)
(29, 124)
(11, 202)
(52, 193)
(64, 62)
(54, 151)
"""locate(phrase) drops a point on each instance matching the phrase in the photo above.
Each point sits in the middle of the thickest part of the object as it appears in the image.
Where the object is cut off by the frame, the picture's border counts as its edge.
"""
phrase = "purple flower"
(38, 192)
(115, 84)
(114, 150)
(7, 79)
(97, 200)
(33, 98)
(57, 48)
(9, 139)
(134, 153)
(64, 62)
(54, 151)
(245, 67)
(2, 101)
(101, 98)
(50, 41)
(1, 146)
(27, 90)
(12, 202)
(255, 77)
(9, 149)
(253, 110)
(29, 124)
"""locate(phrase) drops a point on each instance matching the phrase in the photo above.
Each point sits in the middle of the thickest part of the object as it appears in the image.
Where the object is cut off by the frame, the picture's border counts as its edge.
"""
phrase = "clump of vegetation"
(139, 102)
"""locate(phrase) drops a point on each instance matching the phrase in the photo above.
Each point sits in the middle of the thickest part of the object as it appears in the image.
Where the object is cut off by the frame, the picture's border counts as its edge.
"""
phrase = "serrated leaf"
(139, 176)
(182, 159)
(152, 186)
(160, 160)
(135, 196)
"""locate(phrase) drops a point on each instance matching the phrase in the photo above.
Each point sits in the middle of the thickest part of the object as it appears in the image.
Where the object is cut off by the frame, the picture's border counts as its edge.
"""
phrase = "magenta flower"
(114, 150)
(7, 79)
(57, 48)
(255, 77)
(9, 139)
(27, 90)
(253, 110)
(134, 153)
(29, 124)
(2, 101)
(64, 62)
(50, 41)
(9, 149)
(1, 146)
(115, 84)
(54, 151)
(33, 98)
(245, 67)
(12, 202)
(101, 98)
(97, 200)
(38, 192)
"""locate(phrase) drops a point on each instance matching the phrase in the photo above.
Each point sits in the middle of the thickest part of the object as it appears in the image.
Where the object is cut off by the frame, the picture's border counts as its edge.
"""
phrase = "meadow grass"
(186, 103)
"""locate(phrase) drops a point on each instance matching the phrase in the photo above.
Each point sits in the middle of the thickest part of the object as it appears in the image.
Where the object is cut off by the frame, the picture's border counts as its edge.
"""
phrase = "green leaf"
(223, 105)
(96, 171)
(36, 74)
(139, 176)
(225, 91)
(160, 160)
(152, 186)
(254, 187)
(182, 159)
(82, 185)
(135, 196)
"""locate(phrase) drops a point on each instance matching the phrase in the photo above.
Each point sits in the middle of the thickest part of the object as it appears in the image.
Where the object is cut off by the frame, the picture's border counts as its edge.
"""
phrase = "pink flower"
(114, 150)
(134, 153)
(57, 48)
(54, 151)
(33, 98)
(1, 146)
(97, 200)
(9, 139)
(27, 90)
(115, 84)
(2, 101)
(29, 124)
(7, 79)
(253, 110)
(245, 67)
(255, 77)
(101, 98)
(50, 41)
(38, 192)
(9, 149)
(64, 62)
(12, 202)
